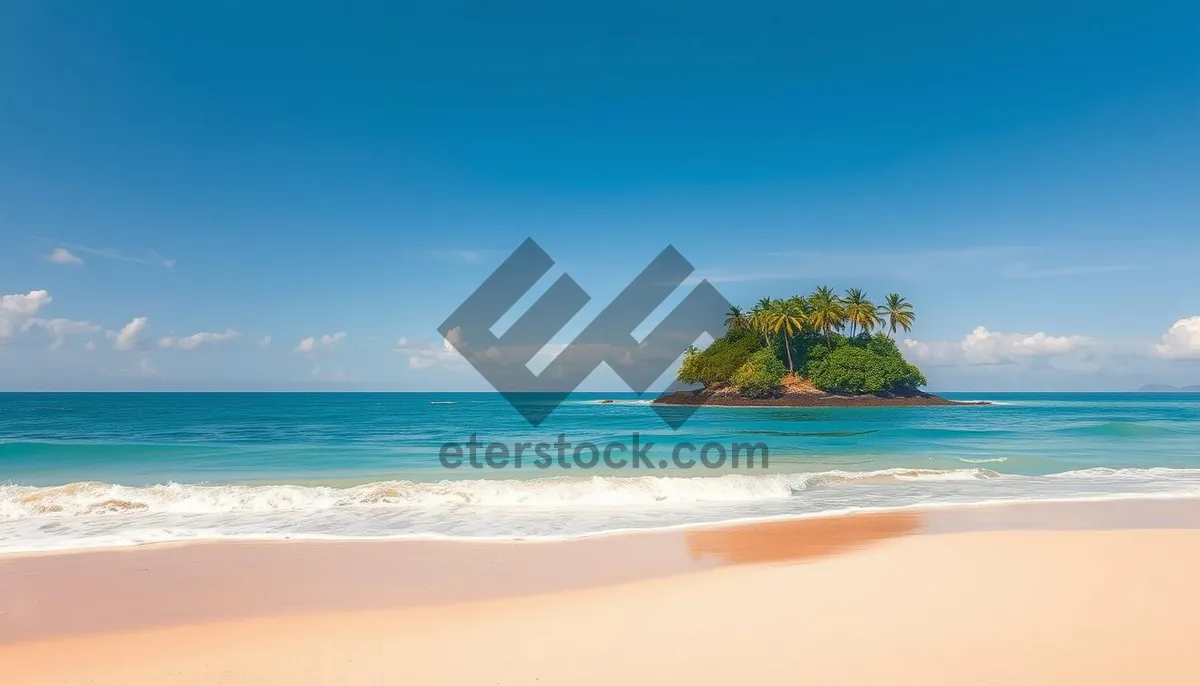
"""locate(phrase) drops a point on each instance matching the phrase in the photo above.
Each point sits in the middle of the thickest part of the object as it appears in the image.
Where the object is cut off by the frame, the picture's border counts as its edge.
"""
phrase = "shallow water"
(112, 469)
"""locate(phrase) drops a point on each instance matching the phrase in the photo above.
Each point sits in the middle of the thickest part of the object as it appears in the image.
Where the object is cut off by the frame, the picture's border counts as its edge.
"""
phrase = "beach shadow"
(798, 539)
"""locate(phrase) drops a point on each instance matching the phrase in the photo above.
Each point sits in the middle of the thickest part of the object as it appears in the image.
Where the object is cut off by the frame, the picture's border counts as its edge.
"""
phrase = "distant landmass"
(1164, 388)
(815, 350)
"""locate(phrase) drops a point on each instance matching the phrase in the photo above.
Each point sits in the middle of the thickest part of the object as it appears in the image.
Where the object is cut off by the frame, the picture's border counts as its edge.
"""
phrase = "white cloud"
(16, 307)
(423, 354)
(319, 375)
(921, 352)
(1181, 341)
(27, 305)
(59, 329)
(981, 346)
(144, 257)
(312, 344)
(127, 338)
(89, 346)
(197, 339)
(64, 256)
(986, 347)
(144, 368)
(194, 341)
(264, 341)
(419, 362)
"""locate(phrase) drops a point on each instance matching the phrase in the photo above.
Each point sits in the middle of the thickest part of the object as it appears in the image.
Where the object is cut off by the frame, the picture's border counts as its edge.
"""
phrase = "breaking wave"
(99, 498)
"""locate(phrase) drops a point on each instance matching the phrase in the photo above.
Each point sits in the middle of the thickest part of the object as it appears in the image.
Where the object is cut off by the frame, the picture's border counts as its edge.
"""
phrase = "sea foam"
(99, 498)
(96, 514)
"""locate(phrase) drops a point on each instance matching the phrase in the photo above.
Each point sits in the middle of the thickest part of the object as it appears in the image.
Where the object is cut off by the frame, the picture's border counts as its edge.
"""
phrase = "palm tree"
(860, 311)
(736, 319)
(758, 318)
(826, 312)
(800, 304)
(897, 313)
(785, 317)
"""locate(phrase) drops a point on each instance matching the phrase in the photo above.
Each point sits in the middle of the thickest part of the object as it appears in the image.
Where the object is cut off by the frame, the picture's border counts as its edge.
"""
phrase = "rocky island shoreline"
(805, 395)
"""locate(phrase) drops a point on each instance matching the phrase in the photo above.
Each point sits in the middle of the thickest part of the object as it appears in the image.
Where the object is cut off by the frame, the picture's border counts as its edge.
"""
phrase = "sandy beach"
(892, 598)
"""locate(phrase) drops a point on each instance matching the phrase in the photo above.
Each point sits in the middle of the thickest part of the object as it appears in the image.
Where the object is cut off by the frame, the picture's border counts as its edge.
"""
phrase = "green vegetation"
(759, 377)
(717, 363)
(840, 344)
(851, 369)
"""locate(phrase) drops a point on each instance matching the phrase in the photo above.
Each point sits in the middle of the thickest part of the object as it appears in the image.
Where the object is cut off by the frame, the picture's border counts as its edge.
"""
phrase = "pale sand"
(43, 596)
(994, 607)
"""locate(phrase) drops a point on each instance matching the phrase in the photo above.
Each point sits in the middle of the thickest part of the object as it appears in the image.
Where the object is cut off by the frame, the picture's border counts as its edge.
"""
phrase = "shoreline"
(722, 397)
(957, 510)
(54, 595)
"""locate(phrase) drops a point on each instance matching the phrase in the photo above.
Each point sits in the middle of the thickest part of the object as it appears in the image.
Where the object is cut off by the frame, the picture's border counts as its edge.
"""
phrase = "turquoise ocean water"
(79, 470)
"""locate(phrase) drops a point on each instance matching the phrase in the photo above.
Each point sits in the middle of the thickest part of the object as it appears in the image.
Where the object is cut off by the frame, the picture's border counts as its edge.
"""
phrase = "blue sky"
(204, 176)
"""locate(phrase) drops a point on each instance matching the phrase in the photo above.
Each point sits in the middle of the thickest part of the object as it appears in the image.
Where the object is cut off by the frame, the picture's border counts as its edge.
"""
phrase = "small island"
(807, 351)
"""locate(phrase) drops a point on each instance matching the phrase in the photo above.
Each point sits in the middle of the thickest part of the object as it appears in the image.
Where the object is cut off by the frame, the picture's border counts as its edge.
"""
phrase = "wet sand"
(48, 595)
(1006, 595)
